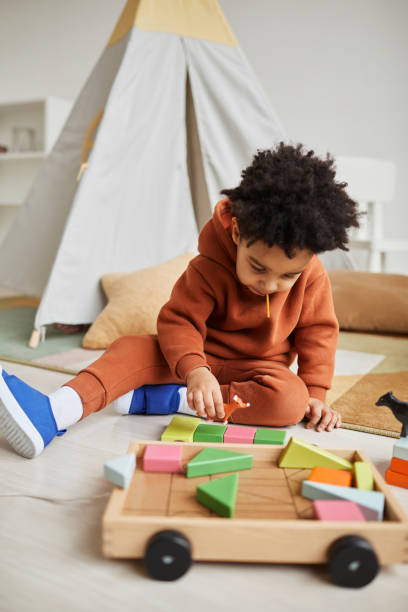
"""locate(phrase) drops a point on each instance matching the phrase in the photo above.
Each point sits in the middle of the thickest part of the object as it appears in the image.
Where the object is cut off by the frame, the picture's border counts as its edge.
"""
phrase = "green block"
(269, 436)
(209, 433)
(215, 461)
(363, 477)
(181, 429)
(219, 495)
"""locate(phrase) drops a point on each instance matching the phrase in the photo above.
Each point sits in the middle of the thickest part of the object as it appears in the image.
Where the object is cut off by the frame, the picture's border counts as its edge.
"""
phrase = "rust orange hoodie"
(210, 311)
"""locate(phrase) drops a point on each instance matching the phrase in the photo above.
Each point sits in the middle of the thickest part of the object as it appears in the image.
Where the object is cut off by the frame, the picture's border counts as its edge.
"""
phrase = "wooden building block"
(120, 470)
(337, 510)
(399, 465)
(301, 454)
(219, 495)
(239, 435)
(215, 461)
(396, 479)
(341, 478)
(363, 477)
(370, 502)
(181, 429)
(269, 436)
(209, 433)
(164, 458)
(401, 449)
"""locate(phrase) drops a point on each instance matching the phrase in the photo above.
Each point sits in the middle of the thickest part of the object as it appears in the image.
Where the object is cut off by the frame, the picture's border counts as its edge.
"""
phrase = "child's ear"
(235, 231)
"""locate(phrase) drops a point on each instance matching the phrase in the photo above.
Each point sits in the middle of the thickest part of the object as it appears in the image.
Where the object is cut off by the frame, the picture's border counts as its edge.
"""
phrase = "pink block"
(162, 458)
(337, 510)
(239, 435)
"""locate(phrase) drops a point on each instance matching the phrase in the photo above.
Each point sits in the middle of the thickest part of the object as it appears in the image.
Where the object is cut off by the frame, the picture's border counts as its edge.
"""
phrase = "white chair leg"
(374, 261)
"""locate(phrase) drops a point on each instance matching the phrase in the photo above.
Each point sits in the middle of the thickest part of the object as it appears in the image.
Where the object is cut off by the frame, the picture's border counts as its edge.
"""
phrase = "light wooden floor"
(50, 544)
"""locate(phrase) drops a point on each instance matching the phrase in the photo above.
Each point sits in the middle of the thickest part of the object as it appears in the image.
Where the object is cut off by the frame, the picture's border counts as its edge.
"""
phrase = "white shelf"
(42, 121)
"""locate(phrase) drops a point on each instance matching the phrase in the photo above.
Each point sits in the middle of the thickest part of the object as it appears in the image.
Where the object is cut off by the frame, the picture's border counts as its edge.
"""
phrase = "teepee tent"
(170, 115)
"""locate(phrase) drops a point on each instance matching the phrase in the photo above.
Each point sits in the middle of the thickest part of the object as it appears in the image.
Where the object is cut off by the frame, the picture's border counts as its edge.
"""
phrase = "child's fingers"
(199, 404)
(325, 420)
(209, 404)
(332, 423)
(190, 400)
(218, 404)
(314, 418)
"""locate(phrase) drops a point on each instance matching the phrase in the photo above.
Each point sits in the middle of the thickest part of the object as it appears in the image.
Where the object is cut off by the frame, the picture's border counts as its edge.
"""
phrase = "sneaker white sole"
(16, 426)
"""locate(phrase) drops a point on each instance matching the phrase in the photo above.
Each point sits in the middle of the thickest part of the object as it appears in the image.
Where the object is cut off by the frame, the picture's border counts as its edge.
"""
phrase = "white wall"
(334, 70)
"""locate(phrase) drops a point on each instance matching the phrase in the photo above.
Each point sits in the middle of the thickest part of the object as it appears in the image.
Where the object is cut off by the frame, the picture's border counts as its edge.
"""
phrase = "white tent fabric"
(234, 117)
(133, 206)
(29, 249)
(137, 204)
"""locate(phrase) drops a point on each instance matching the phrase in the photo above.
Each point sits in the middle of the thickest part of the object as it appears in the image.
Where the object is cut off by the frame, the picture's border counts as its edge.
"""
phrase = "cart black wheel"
(167, 555)
(352, 562)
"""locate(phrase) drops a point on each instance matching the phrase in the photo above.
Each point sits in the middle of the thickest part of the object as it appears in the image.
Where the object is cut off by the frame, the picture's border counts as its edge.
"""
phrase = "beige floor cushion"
(367, 301)
(134, 301)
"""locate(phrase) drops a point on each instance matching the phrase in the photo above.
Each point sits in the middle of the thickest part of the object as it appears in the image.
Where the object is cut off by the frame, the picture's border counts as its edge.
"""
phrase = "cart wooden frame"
(130, 519)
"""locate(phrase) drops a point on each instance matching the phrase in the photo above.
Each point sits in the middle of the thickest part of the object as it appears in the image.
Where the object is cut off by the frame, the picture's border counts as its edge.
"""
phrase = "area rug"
(367, 365)
(358, 404)
(16, 324)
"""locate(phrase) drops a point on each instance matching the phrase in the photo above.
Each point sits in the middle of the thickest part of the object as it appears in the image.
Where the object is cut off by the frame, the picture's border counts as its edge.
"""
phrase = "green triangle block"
(269, 436)
(207, 432)
(219, 495)
(215, 461)
(301, 454)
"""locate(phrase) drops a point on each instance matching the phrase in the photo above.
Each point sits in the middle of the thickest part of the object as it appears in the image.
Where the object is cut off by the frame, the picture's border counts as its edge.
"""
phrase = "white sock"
(184, 407)
(66, 407)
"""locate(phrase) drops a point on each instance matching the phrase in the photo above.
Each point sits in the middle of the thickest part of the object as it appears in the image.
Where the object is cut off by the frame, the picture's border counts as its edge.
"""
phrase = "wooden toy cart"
(159, 520)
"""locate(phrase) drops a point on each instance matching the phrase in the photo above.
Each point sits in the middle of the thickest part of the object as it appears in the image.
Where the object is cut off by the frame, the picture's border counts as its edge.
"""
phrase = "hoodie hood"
(215, 240)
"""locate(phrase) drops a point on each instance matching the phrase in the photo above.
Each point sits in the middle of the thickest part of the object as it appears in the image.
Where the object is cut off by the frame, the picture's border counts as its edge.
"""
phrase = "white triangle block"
(370, 502)
(120, 470)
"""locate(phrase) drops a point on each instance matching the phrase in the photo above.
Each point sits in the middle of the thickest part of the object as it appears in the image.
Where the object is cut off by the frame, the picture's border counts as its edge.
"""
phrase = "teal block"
(208, 432)
(269, 436)
(120, 470)
(400, 450)
(215, 461)
(370, 502)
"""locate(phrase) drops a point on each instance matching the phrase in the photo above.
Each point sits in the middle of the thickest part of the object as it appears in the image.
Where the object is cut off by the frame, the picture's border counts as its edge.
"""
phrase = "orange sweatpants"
(277, 396)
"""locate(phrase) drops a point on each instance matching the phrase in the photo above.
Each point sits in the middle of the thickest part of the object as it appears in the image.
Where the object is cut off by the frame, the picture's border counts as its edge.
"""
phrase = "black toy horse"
(398, 407)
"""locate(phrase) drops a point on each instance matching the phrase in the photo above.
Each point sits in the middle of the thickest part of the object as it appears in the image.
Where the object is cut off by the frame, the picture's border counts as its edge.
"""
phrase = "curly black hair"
(289, 197)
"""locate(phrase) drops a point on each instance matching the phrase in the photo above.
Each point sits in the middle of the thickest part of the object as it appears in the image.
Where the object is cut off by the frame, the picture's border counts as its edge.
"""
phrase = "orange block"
(399, 465)
(399, 480)
(342, 478)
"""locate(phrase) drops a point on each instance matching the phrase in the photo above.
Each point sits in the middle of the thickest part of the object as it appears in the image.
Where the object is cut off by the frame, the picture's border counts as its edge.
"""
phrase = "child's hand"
(204, 393)
(321, 416)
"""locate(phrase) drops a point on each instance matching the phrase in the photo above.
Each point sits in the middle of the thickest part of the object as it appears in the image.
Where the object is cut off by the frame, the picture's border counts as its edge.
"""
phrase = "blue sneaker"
(149, 399)
(26, 418)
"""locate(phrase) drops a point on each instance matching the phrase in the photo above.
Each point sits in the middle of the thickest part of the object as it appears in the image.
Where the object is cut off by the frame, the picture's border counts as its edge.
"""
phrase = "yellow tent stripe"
(201, 19)
(88, 143)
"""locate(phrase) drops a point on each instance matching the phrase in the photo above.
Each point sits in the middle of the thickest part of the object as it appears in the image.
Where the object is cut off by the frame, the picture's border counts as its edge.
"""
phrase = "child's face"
(264, 269)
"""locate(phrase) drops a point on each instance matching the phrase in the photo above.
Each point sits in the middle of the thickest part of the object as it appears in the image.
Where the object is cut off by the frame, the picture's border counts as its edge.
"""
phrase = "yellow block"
(363, 477)
(301, 454)
(181, 429)
(193, 18)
